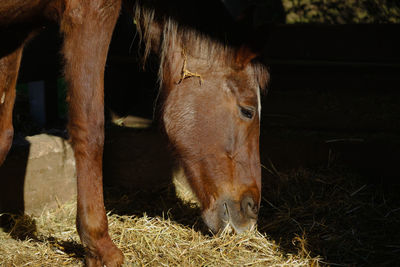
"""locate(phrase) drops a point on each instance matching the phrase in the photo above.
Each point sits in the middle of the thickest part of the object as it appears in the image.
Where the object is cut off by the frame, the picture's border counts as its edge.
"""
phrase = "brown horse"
(210, 95)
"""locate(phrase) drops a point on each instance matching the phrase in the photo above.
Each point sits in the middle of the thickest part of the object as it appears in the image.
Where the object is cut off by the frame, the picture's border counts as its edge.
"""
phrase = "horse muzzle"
(239, 215)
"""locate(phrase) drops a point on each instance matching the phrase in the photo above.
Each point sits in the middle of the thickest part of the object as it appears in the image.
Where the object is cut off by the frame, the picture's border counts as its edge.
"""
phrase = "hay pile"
(348, 219)
(51, 240)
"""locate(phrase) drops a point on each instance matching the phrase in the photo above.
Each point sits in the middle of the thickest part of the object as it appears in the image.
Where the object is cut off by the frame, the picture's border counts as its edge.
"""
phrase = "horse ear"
(244, 55)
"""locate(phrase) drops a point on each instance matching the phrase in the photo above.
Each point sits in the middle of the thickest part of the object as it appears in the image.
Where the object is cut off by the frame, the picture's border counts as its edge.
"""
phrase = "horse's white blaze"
(259, 103)
(3, 98)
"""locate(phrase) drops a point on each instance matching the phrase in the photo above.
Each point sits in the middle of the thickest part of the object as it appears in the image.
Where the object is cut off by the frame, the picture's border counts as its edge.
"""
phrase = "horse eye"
(247, 112)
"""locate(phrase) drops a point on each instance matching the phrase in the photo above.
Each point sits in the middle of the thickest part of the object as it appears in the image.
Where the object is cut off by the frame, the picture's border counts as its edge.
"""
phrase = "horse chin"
(224, 217)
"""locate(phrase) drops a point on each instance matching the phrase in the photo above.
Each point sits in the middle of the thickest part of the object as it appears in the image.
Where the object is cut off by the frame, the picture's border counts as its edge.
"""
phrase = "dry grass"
(348, 219)
(51, 240)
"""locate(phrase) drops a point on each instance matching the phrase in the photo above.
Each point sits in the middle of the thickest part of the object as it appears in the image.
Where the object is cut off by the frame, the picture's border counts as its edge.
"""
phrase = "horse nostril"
(249, 207)
(226, 211)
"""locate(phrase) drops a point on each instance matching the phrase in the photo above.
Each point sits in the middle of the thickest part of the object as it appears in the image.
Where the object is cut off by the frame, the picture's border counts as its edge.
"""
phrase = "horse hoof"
(110, 258)
(113, 258)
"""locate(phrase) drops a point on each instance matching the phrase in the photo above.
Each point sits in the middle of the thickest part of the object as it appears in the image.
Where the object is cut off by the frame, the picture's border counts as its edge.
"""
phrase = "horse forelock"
(172, 38)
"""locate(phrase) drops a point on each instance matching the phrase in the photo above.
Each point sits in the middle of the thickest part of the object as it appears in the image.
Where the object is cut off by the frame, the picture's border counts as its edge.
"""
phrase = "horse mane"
(164, 34)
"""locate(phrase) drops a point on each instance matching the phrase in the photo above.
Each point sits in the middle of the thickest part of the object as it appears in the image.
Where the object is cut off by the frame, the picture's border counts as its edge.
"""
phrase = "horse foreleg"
(87, 27)
(9, 66)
